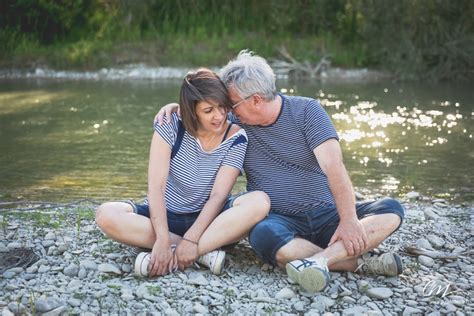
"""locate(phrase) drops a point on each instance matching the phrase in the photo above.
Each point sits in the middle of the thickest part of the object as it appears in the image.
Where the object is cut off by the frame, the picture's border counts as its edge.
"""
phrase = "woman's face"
(211, 116)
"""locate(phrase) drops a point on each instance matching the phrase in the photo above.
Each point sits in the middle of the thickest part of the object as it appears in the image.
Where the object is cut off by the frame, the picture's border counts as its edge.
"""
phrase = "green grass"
(175, 50)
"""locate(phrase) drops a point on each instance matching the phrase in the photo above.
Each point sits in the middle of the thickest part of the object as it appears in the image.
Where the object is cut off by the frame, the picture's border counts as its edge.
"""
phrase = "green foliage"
(418, 38)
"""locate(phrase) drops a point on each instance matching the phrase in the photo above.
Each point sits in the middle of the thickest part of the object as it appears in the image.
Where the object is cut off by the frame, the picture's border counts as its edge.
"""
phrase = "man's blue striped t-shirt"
(193, 170)
(280, 159)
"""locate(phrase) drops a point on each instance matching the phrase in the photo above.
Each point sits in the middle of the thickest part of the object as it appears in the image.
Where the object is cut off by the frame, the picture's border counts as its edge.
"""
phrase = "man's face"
(243, 107)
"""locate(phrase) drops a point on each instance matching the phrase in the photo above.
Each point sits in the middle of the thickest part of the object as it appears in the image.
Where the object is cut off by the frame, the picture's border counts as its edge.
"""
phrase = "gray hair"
(249, 74)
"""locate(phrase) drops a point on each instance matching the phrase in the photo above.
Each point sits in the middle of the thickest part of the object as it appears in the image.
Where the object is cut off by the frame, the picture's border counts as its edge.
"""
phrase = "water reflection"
(66, 140)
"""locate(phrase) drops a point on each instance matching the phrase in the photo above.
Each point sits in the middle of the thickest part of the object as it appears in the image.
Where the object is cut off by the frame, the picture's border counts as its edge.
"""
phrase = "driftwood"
(413, 250)
(289, 66)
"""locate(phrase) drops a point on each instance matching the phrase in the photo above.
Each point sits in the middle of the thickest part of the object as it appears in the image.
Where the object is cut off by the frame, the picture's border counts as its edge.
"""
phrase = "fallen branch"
(413, 250)
(289, 66)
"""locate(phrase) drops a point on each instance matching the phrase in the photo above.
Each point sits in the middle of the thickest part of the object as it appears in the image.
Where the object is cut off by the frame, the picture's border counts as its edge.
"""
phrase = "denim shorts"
(178, 223)
(317, 226)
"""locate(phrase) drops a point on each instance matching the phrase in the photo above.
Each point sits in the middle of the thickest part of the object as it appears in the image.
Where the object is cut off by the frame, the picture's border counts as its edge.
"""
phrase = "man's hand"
(165, 113)
(186, 253)
(352, 234)
(161, 259)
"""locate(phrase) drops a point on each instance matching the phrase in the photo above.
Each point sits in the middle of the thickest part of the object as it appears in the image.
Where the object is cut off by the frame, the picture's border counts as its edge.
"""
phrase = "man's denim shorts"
(178, 223)
(317, 226)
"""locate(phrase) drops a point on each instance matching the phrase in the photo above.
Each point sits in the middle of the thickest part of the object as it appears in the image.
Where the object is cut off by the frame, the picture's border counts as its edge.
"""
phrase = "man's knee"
(264, 239)
(392, 205)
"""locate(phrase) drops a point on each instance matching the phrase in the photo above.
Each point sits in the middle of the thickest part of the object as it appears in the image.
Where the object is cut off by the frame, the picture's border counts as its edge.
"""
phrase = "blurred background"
(81, 80)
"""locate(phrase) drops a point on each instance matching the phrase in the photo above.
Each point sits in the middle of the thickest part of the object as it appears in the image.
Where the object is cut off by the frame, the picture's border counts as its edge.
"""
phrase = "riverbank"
(74, 269)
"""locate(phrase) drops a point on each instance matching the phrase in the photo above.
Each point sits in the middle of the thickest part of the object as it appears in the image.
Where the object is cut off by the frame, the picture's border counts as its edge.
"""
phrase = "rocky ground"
(64, 265)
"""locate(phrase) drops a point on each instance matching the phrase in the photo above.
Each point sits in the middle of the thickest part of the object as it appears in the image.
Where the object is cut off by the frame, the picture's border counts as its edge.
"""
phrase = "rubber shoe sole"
(141, 264)
(311, 279)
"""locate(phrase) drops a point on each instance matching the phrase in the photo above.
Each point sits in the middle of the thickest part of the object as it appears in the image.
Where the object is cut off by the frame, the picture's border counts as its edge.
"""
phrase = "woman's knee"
(107, 212)
(258, 201)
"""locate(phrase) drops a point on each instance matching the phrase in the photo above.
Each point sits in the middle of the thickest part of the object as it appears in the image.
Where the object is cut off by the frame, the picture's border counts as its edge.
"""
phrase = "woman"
(194, 163)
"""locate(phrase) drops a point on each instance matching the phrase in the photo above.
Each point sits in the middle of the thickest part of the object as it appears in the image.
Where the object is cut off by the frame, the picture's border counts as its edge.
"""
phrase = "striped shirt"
(280, 159)
(193, 170)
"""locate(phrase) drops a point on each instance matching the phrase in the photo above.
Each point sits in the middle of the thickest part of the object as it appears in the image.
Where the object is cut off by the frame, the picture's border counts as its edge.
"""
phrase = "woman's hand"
(161, 258)
(186, 253)
(165, 113)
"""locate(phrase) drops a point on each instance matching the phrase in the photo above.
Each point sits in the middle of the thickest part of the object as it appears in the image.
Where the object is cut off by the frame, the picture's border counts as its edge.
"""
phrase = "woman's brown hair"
(200, 85)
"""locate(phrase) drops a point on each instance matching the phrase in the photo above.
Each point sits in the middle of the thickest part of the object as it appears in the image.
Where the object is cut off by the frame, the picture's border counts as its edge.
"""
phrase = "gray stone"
(363, 286)
(412, 195)
(198, 308)
(43, 269)
(14, 245)
(7, 312)
(285, 293)
(299, 306)
(426, 261)
(109, 268)
(356, 310)
(411, 310)
(71, 270)
(47, 243)
(435, 241)
(16, 308)
(379, 292)
(349, 299)
(423, 243)
(56, 312)
(46, 305)
(265, 299)
(88, 264)
(197, 278)
(430, 214)
(82, 274)
(50, 235)
(74, 302)
(8, 274)
(3, 248)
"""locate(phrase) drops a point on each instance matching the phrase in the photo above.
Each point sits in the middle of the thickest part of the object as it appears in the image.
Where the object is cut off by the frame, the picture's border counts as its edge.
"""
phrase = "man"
(294, 156)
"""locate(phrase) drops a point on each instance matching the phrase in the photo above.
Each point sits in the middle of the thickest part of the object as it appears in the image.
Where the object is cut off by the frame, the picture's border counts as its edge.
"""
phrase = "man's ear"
(258, 100)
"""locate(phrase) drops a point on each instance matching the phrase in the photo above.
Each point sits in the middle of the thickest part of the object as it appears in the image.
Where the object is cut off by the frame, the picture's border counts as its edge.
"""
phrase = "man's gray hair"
(249, 74)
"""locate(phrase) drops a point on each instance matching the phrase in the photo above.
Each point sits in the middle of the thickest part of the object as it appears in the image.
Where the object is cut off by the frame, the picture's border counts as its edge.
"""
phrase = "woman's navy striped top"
(193, 170)
(280, 159)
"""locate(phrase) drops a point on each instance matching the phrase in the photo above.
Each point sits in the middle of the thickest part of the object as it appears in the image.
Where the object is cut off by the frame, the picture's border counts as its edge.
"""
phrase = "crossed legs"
(377, 227)
(118, 221)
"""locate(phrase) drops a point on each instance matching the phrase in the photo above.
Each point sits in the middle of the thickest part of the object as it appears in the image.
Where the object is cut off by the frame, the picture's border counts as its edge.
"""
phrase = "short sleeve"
(318, 127)
(236, 154)
(168, 131)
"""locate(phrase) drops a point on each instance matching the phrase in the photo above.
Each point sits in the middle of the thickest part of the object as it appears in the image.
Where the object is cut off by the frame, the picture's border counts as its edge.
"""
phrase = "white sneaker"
(143, 260)
(141, 264)
(214, 260)
(312, 275)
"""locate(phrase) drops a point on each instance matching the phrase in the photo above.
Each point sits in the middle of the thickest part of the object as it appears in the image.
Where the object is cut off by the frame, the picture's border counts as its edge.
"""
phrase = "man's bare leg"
(377, 227)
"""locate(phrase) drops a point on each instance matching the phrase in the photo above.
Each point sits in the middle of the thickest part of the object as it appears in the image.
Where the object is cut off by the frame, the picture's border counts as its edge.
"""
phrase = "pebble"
(109, 268)
(411, 311)
(71, 270)
(198, 308)
(73, 277)
(197, 278)
(88, 264)
(412, 195)
(424, 244)
(379, 292)
(285, 293)
(426, 261)
(435, 241)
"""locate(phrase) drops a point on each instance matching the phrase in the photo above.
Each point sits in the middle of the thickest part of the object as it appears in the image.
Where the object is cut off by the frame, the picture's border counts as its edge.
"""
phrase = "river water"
(61, 140)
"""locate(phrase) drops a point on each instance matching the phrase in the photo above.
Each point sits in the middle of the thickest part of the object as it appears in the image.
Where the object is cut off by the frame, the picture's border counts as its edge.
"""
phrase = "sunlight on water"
(62, 141)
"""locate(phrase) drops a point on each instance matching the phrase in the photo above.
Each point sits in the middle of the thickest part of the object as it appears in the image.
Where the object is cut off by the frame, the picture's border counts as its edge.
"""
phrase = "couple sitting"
(299, 210)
